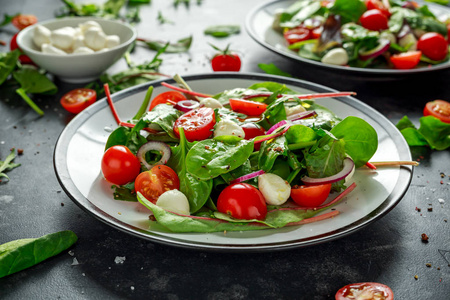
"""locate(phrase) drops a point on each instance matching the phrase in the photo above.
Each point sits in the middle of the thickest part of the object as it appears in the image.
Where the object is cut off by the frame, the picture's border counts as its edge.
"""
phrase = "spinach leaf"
(7, 19)
(325, 118)
(274, 70)
(210, 158)
(8, 63)
(222, 30)
(300, 133)
(349, 10)
(21, 254)
(164, 116)
(8, 164)
(179, 46)
(432, 132)
(118, 137)
(269, 152)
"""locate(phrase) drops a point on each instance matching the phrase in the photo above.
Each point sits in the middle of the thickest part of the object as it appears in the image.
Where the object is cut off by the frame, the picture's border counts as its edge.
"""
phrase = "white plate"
(79, 150)
(259, 27)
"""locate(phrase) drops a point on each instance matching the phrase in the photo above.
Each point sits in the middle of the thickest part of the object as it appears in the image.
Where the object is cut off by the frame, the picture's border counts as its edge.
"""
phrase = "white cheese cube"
(41, 35)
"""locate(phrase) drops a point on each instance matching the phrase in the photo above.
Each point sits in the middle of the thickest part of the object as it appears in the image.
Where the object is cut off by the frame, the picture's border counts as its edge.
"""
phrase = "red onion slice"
(262, 138)
(348, 167)
(163, 148)
(247, 177)
(276, 126)
(302, 115)
(382, 47)
(186, 105)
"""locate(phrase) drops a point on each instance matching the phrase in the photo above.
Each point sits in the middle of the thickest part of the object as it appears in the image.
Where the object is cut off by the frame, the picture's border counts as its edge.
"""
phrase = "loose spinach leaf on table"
(222, 30)
(21, 254)
(8, 62)
(274, 70)
(179, 46)
(7, 19)
(8, 164)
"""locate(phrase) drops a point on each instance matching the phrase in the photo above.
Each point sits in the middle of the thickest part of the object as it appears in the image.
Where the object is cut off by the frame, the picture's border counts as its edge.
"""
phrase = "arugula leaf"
(8, 63)
(8, 164)
(222, 30)
(21, 254)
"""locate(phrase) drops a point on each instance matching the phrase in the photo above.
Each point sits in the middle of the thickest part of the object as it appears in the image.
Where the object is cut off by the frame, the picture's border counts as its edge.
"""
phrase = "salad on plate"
(248, 158)
(378, 34)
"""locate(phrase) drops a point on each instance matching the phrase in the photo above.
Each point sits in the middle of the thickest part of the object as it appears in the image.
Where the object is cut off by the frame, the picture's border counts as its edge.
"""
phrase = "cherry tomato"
(226, 62)
(433, 45)
(167, 97)
(439, 109)
(153, 183)
(374, 20)
(448, 33)
(242, 201)
(77, 100)
(377, 4)
(365, 290)
(197, 124)
(13, 46)
(297, 34)
(250, 108)
(120, 165)
(407, 60)
(316, 33)
(310, 196)
(22, 21)
(252, 130)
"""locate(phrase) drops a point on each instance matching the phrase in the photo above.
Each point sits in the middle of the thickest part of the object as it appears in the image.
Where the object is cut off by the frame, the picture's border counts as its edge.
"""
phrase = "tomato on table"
(225, 60)
(439, 109)
(23, 21)
(406, 60)
(433, 45)
(365, 291)
(374, 20)
(197, 124)
(119, 165)
(298, 34)
(24, 59)
(78, 99)
(171, 97)
(158, 180)
(310, 195)
(250, 108)
(377, 4)
(242, 201)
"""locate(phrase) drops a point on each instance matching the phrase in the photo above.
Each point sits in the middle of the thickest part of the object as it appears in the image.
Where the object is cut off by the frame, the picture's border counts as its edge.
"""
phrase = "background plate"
(80, 147)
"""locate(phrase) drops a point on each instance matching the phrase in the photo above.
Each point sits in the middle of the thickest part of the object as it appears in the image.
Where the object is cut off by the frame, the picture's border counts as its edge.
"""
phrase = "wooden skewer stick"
(395, 163)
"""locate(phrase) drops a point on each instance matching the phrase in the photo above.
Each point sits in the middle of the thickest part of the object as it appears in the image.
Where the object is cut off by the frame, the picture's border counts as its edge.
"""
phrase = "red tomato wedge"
(120, 165)
(407, 60)
(77, 100)
(365, 291)
(197, 124)
(250, 108)
(439, 109)
(242, 201)
(171, 97)
(377, 4)
(22, 21)
(310, 196)
(160, 179)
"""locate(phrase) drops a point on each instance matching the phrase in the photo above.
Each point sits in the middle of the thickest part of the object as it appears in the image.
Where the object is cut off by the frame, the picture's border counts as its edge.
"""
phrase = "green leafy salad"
(388, 34)
(248, 158)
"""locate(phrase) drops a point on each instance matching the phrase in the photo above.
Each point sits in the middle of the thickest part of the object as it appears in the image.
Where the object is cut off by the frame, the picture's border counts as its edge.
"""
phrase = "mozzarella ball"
(174, 201)
(83, 50)
(408, 40)
(47, 48)
(94, 38)
(112, 41)
(292, 110)
(276, 190)
(211, 103)
(41, 35)
(336, 56)
(63, 38)
(89, 24)
(78, 42)
(228, 127)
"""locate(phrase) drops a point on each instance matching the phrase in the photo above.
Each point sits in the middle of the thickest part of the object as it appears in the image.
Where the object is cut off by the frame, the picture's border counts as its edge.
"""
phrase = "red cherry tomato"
(433, 45)
(316, 33)
(310, 196)
(22, 21)
(13, 46)
(365, 290)
(377, 4)
(448, 33)
(158, 180)
(120, 165)
(197, 124)
(252, 130)
(250, 108)
(407, 60)
(374, 20)
(167, 97)
(297, 34)
(226, 62)
(242, 201)
(439, 109)
(77, 100)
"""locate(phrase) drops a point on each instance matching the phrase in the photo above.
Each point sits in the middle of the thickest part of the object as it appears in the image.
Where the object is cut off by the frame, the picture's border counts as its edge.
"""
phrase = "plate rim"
(368, 71)
(63, 176)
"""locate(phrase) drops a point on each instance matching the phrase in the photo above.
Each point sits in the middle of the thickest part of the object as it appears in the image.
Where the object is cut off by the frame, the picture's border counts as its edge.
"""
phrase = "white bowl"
(77, 68)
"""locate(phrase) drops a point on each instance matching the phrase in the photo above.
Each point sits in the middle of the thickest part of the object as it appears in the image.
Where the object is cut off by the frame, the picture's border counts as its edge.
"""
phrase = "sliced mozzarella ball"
(275, 189)
(336, 56)
(112, 41)
(94, 38)
(228, 127)
(89, 24)
(211, 103)
(292, 110)
(174, 201)
(47, 48)
(78, 42)
(409, 41)
(83, 50)
(63, 38)
(41, 35)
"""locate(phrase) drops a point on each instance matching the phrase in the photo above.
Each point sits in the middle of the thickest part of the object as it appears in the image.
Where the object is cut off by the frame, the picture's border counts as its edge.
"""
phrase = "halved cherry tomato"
(407, 60)
(433, 45)
(226, 62)
(167, 97)
(374, 20)
(22, 21)
(13, 46)
(297, 34)
(250, 108)
(439, 109)
(377, 4)
(252, 130)
(316, 32)
(120, 165)
(197, 124)
(242, 201)
(77, 100)
(366, 291)
(158, 180)
(310, 196)
(448, 33)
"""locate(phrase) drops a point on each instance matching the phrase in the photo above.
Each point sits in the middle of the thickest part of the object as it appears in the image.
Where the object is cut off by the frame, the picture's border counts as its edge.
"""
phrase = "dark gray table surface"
(389, 250)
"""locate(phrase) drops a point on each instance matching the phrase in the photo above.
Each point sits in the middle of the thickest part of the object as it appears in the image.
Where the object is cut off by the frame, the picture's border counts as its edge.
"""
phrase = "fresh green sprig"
(8, 164)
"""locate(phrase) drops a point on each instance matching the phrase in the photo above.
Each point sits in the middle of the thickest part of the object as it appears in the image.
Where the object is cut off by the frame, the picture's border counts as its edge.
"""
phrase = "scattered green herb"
(163, 20)
(222, 30)
(7, 19)
(274, 70)
(179, 46)
(8, 165)
(441, 2)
